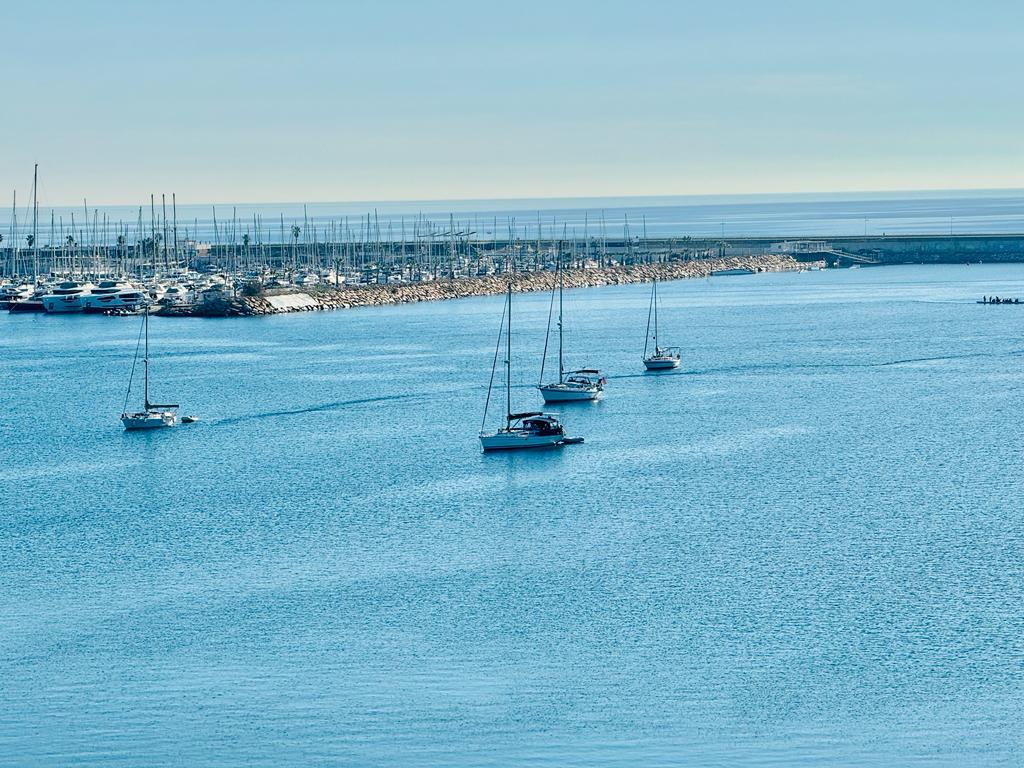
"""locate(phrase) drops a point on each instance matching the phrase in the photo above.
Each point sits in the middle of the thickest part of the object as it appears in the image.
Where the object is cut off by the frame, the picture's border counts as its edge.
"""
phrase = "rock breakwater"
(350, 296)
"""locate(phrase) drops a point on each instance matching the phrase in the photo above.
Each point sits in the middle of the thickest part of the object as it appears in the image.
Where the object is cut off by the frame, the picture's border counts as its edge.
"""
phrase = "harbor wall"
(889, 249)
(843, 250)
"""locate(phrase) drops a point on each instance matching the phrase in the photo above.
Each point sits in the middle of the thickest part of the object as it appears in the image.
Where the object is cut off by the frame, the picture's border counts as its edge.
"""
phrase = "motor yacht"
(67, 297)
(113, 294)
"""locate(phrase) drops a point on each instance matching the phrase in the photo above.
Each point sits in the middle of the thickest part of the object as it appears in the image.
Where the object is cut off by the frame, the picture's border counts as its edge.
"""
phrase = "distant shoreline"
(349, 297)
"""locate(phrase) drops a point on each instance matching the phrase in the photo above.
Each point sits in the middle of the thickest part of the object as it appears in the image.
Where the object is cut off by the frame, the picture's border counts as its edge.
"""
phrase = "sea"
(804, 547)
(701, 216)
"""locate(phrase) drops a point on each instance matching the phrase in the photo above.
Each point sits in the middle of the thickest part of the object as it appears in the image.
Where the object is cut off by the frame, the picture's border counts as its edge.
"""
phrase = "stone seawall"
(347, 297)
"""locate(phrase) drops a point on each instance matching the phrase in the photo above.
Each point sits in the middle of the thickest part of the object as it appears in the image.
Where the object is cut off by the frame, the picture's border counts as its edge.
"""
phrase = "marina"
(265, 264)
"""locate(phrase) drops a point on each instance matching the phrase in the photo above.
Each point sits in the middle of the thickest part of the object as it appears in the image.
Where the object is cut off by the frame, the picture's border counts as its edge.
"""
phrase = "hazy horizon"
(452, 100)
(24, 199)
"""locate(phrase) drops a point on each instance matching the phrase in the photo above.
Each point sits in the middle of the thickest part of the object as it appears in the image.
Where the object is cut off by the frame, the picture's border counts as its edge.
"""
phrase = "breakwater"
(350, 296)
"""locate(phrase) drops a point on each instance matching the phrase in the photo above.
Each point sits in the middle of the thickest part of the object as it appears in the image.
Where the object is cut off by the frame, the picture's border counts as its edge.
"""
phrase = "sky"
(222, 101)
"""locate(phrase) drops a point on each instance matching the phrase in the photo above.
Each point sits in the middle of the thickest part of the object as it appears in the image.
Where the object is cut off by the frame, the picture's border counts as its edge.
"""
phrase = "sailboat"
(153, 415)
(522, 430)
(663, 358)
(581, 384)
(32, 301)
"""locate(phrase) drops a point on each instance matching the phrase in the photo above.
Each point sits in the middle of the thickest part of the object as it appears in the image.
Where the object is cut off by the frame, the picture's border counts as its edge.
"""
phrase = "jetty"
(327, 297)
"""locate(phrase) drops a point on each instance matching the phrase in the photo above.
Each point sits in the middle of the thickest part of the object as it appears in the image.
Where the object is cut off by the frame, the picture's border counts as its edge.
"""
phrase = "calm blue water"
(806, 548)
(874, 213)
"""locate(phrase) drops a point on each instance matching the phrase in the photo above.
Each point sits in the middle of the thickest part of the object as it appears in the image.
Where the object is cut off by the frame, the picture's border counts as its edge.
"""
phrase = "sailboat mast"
(145, 360)
(647, 333)
(35, 223)
(655, 315)
(508, 358)
(561, 362)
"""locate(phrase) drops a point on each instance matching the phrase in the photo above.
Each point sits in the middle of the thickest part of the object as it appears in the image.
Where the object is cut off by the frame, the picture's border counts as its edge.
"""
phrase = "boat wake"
(338, 405)
(766, 367)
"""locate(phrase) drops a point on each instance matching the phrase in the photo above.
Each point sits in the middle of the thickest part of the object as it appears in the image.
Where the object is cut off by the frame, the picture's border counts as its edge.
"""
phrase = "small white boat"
(521, 430)
(151, 418)
(572, 386)
(153, 415)
(525, 430)
(663, 358)
(584, 384)
(175, 295)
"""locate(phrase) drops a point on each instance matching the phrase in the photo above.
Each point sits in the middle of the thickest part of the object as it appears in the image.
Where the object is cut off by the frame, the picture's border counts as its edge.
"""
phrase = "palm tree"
(31, 240)
(296, 231)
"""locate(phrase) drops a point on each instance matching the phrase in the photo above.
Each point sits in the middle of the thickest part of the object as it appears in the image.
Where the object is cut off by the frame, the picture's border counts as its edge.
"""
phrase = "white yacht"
(176, 295)
(214, 292)
(521, 430)
(153, 415)
(663, 358)
(68, 296)
(113, 294)
(572, 386)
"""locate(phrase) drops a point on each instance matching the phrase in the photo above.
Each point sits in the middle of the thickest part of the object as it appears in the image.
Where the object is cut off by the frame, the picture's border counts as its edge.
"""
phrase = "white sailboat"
(32, 302)
(663, 358)
(153, 415)
(580, 384)
(522, 430)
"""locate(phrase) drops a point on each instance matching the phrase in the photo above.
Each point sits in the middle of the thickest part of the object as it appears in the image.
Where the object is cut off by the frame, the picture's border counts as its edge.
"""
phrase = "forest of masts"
(156, 243)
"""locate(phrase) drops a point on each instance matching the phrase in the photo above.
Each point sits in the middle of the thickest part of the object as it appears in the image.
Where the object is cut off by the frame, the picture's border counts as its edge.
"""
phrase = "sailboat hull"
(555, 393)
(148, 420)
(510, 441)
(661, 363)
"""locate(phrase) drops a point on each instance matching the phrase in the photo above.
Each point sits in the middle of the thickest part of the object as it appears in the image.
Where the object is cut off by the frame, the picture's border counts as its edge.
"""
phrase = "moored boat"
(12, 292)
(663, 358)
(522, 430)
(572, 386)
(153, 415)
(33, 302)
(113, 294)
(67, 297)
